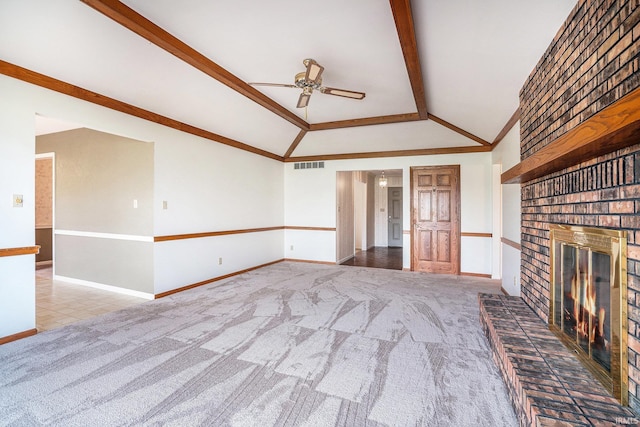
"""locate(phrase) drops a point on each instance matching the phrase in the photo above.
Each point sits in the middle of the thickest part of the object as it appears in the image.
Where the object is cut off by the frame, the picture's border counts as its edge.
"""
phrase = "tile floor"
(60, 303)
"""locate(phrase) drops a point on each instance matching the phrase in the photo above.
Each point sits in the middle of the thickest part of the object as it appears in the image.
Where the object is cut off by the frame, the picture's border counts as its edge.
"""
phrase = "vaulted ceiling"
(439, 75)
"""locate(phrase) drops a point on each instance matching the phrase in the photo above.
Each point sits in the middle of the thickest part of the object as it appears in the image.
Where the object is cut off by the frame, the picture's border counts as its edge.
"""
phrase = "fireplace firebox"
(588, 309)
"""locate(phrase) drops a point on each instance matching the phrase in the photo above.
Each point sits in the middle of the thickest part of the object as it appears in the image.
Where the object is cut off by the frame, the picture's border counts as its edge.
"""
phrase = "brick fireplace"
(592, 64)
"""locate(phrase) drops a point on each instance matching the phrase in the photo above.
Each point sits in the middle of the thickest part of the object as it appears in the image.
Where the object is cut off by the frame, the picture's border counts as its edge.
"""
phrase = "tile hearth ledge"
(547, 385)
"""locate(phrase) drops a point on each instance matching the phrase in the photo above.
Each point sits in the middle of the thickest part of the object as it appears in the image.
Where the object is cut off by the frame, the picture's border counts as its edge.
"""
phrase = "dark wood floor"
(378, 257)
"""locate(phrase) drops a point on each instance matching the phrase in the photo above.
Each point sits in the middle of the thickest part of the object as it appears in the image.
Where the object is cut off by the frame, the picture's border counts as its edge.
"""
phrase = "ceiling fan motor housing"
(302, 82)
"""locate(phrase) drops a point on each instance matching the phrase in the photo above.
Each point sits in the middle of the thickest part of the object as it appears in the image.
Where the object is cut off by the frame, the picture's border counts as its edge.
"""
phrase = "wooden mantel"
(614, 128)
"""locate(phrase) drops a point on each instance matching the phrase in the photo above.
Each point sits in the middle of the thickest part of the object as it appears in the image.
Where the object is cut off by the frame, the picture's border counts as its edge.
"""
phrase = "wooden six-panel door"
(435, 219)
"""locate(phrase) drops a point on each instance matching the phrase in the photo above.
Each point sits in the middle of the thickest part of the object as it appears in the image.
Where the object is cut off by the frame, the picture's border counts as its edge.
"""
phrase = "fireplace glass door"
(582, 300)
(588, 306)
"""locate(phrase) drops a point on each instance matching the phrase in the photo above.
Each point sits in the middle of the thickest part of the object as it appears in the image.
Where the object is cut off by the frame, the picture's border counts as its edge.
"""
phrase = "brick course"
(592, 62)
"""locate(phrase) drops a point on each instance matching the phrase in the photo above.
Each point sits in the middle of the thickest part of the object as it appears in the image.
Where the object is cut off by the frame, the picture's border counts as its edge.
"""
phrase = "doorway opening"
(60, 301)
(369, 226)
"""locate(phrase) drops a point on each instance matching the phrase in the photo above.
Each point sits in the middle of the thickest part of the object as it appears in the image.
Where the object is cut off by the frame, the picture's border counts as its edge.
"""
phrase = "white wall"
(310, 200)
(208, 187)
(17, 176)
(212, 187)
(507, 155)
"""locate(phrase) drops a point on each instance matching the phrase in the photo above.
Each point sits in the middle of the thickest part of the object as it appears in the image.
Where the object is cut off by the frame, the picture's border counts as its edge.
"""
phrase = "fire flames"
(588, 318)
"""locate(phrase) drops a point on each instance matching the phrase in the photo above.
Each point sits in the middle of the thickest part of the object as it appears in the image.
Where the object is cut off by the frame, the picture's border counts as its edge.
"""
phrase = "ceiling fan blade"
(314, 70)
(272, 84)
(342, 92)
(303, 100)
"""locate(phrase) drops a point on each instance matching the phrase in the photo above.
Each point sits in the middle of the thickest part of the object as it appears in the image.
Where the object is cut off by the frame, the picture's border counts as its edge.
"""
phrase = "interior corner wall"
(310, 201)
(104, 208)
(507, 155)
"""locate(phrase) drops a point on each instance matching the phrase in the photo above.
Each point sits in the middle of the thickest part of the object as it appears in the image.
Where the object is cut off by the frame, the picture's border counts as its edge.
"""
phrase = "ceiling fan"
(311, 79)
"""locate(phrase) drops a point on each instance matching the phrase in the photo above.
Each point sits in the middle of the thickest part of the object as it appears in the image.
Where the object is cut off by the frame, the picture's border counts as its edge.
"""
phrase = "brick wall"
(592, 62)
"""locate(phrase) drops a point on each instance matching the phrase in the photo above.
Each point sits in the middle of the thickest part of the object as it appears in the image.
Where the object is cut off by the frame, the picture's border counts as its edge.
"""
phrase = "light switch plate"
(17, 200)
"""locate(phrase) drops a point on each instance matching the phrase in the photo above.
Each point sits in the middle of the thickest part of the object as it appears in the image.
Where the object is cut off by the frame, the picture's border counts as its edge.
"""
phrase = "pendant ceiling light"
(382, 182)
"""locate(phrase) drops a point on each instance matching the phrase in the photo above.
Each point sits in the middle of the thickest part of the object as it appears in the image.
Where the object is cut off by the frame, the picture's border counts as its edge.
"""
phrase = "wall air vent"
(309, 165)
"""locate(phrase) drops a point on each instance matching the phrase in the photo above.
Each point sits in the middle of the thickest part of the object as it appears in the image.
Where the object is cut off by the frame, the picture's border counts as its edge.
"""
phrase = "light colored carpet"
(291, 344)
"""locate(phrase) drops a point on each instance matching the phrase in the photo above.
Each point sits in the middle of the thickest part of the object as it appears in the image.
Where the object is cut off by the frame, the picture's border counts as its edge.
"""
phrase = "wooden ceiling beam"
(507, 127)
(140, 25)
(59, 86)
(368, 121)
(458, 130)
(397, 153)
(406, 33)
(295, 143)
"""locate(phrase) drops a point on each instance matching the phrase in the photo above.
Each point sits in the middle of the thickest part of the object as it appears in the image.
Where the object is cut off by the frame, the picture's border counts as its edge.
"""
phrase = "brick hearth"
(547, 384)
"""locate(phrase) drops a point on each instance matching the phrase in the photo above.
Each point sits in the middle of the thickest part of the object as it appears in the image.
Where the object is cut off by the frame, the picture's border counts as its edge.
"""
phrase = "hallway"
(378, 257)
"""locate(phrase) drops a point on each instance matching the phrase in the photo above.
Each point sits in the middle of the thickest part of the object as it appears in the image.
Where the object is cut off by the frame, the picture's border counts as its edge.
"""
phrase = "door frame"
(414, 202)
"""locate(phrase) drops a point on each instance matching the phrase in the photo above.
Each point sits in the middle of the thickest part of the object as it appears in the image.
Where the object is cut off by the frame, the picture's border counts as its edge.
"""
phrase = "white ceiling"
(474, 55)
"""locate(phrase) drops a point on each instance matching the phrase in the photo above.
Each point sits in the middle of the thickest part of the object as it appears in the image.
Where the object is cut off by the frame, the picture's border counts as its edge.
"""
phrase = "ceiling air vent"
(309, 165)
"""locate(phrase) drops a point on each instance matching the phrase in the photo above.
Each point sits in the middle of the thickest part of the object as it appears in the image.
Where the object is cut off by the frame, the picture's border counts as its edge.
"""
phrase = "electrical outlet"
(165, 205)
(291, 247)
(515, 281)
(135, 203)
(220, 261)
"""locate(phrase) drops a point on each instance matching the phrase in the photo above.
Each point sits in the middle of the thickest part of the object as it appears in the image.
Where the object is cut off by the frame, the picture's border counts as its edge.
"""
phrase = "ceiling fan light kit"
(310, 79)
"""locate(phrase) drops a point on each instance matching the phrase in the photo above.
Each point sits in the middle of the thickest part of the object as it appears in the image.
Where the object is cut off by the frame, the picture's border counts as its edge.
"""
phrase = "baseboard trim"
(340, 261)
(215, 279)
(503, 291)
(18, 336)
(104, 287)
(310, 261)
(486, 276)
(43, 264)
